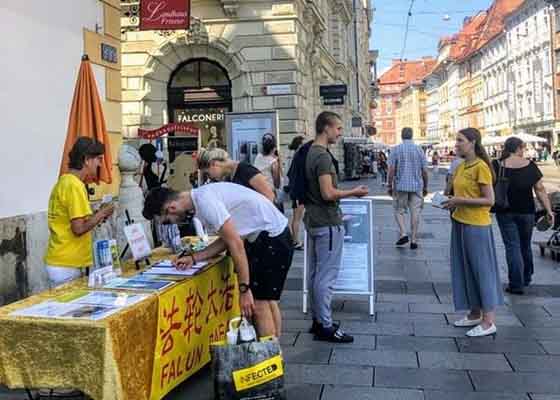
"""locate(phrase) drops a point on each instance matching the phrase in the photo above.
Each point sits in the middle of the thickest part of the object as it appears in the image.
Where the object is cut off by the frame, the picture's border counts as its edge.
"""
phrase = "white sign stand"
(357, 273)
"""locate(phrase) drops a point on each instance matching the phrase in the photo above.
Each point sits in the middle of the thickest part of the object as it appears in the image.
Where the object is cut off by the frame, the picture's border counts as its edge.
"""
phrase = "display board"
(245, 132)
(357, 273)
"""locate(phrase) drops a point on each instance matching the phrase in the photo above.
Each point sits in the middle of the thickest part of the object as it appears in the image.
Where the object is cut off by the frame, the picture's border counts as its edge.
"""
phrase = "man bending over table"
(250, 227)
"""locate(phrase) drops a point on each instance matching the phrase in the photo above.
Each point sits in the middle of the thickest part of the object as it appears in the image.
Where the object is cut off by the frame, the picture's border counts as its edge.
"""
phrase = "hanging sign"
(155, 133)
(165, 14)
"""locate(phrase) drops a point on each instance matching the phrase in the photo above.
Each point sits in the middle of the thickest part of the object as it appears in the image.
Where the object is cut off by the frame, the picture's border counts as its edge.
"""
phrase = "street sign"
(333, 90)
(278, 89)
(333, 101)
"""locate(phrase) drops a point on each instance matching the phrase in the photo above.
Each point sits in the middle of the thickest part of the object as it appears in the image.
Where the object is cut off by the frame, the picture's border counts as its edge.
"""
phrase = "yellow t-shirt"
(68, 201)
(466, 183)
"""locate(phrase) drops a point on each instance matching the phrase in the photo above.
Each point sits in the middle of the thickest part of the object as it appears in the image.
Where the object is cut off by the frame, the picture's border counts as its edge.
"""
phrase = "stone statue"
(131, 198)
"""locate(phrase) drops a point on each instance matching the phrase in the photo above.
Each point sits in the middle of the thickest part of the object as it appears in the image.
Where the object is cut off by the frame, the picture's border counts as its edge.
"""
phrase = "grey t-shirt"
(319, 212)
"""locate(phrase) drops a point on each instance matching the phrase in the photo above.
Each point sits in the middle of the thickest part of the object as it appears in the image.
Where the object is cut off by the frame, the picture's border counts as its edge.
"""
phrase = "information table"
(141, 352)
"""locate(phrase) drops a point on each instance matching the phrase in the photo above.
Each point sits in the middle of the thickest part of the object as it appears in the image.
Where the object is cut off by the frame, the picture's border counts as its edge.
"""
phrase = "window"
(389, 105)
(199, 74)
(557, 20)
(557, 56)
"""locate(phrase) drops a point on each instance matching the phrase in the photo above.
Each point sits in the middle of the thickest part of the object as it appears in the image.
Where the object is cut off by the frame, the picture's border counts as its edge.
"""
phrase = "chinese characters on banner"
(165, 14)
(190, 317)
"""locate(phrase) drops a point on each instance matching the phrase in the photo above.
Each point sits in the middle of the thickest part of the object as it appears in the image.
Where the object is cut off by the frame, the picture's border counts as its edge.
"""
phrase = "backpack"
(296, 173)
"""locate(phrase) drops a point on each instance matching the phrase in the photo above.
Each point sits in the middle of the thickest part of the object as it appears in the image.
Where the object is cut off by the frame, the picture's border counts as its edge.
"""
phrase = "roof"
(405, 72)
(487, 28)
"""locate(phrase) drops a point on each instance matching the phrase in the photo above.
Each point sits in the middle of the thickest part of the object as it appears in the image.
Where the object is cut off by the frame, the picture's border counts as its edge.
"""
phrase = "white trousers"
(61, 275)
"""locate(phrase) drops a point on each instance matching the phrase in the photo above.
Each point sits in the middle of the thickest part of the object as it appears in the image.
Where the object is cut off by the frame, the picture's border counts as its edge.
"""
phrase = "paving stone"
(360, 342)
(362, 393)
(516, 382)
(374, 358)
(431, 308)
(436, 319)
(413, 343)
(533, 363)
(551, 346)
(545, 396)
(329, 374)
(437, 379)
(463, 361)
(488, 345)
(295, 325)
(406, 298)
(513, 332)
(288, 338)
(541, 322)
(438, 331)
(438, 395)
(298, 355)
(424, 288)
(388, 307)
(377, 328)
(303, 392)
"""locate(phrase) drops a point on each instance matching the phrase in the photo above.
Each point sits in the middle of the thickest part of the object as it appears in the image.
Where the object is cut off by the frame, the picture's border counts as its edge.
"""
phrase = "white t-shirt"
(264, 164)
(250, 211)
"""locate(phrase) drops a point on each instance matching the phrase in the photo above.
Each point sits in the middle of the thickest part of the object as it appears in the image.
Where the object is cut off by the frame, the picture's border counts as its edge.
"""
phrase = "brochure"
(166, 267)
(139, 283)
(54, 309)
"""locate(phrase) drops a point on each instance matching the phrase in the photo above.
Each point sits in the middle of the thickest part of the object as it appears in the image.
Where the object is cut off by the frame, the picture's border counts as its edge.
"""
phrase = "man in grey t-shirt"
(323, 221)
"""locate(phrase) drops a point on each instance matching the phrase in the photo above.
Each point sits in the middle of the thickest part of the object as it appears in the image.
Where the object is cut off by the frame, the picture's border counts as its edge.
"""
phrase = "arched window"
(199, 74)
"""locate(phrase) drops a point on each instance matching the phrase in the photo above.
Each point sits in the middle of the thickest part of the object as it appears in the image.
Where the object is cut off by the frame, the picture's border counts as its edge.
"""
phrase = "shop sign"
(278, 89)
(165, 14)
(333, 90)
(109, 53)
(184, 116)
(182, 144)
(188, 129)
(333, 101)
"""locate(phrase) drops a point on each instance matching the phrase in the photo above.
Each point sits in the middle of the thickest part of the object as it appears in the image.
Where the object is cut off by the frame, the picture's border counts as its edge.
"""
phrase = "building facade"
(391, 84)
(51, 45)
(530, 88)
(411, 111)
(250, 56)
(555, 37)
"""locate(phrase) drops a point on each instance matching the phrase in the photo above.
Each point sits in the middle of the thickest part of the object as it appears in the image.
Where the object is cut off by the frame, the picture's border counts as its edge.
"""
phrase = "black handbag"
(501, 189)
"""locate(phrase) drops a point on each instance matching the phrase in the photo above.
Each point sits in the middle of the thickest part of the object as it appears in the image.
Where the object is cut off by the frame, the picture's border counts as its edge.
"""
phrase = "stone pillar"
(131, 198)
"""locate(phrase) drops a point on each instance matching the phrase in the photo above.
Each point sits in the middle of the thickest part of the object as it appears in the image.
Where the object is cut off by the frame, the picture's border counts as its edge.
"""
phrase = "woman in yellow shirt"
(474, 267)
(70, 216)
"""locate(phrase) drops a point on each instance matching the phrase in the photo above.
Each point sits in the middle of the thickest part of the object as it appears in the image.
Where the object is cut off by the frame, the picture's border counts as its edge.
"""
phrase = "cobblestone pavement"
(409, 350)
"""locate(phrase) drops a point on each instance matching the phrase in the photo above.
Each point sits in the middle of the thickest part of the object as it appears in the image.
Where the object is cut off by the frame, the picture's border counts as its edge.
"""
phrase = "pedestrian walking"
(268, 162)
(250, 227)
(474, 267)
(323, 221)
(70, 217)
(217, 164)
(517, 221)
(298, 208)
(382, 167)
(408, 185)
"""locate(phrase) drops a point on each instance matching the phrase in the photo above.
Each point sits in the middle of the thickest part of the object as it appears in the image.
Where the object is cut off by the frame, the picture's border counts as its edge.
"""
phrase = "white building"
(433, 83)
(497, 112)
(530, 76)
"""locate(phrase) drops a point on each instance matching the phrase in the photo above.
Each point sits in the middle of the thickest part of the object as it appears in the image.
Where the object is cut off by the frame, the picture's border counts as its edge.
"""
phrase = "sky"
(427, 24)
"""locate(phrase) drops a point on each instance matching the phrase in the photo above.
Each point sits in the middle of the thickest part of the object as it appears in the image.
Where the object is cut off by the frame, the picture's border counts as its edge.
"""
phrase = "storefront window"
(199, 74)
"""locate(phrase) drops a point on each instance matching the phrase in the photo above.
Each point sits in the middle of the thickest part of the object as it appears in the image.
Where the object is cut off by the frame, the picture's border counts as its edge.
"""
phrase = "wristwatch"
(243, 288)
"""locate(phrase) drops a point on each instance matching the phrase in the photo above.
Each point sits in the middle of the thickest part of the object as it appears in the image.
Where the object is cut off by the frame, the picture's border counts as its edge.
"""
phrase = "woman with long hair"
(217, 164)
(474, 267)
(382, 167)
(518, 220)
(297, 208)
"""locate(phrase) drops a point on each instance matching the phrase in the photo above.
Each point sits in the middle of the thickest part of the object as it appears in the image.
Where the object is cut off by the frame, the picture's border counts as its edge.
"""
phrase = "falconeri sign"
(165, 14)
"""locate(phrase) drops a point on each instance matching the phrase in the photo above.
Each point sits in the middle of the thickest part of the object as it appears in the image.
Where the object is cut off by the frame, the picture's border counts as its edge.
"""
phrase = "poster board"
(357, 273)
(245, 132)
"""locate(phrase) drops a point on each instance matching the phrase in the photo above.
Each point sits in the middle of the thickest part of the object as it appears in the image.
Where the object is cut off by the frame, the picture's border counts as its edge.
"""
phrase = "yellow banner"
(192, 315)
(258, 374)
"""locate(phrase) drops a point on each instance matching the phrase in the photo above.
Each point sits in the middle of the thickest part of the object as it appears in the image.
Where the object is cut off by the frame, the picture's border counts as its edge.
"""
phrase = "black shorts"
(269, 262)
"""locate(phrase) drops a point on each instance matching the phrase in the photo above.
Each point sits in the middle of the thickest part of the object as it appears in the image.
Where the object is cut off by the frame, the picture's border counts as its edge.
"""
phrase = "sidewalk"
(409, 350)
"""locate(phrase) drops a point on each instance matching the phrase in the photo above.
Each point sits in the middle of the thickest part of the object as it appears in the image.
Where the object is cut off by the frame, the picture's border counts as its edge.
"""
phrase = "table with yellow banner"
(141, 352)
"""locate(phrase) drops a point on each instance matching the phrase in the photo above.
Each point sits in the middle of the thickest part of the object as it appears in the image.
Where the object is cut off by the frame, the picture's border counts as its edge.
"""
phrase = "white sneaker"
(479, 331)
(465, 322)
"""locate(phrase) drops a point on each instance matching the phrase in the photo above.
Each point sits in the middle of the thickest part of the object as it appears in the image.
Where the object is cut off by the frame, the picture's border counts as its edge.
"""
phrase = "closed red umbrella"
(86, 119)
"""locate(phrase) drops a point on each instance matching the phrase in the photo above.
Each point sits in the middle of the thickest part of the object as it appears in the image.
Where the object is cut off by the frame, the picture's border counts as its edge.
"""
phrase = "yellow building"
(411, 111)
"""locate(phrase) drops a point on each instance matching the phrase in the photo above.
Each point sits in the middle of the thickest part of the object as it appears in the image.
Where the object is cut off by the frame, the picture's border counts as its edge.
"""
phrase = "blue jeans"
(517, 230)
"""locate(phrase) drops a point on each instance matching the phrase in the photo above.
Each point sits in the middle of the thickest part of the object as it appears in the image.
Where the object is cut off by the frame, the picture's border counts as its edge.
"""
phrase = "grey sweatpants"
(324, 258)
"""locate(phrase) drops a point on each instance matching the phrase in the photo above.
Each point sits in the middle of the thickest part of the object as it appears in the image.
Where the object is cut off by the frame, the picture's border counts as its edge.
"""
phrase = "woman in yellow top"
(474, 267)
(70, 217)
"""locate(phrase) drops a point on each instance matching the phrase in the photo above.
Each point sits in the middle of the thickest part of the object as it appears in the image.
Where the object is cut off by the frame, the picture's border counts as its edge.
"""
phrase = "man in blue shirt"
(408, 185)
